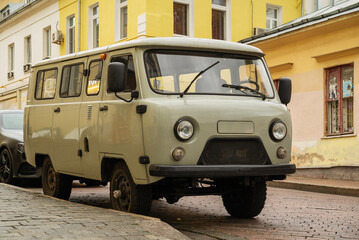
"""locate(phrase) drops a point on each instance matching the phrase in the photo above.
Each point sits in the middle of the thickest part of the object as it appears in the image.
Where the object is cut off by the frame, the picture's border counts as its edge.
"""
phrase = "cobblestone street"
(288, 214)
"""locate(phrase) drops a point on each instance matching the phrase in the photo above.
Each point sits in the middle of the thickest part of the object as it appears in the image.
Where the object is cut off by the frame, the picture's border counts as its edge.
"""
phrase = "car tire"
(247, 202)
(6, 169)
(55, 184)
(125, 195)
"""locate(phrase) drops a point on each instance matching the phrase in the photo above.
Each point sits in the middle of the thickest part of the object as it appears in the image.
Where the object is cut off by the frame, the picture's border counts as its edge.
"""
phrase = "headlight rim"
(271, 131)
(176, 131)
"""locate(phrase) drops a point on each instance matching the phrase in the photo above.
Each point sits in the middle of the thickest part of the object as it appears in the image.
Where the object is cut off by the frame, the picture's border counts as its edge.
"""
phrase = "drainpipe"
(78, 25)
(252, 18)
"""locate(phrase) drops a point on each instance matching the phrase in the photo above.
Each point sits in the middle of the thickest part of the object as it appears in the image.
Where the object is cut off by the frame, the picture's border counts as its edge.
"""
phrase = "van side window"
(71, 80)
(46, 84)
(94, 79)
(131, 76)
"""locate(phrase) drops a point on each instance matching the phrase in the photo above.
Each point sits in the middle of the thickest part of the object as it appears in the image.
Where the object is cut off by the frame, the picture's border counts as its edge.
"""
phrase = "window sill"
(340, 136)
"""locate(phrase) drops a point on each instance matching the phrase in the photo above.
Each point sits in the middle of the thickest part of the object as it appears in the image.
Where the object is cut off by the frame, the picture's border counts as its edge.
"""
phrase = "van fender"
(108, 162)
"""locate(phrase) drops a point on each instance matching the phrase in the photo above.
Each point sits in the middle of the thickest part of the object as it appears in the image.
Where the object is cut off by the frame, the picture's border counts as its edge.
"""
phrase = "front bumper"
(220, 171)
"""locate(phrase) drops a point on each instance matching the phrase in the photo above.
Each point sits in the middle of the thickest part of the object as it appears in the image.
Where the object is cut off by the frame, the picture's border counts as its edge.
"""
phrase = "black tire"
(247, 202)
(55, 184)
(125, 195)
(6, 169)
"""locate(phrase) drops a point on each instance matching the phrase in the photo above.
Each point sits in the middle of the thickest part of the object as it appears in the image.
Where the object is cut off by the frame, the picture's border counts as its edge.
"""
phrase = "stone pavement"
(30, 215)
(330, 186)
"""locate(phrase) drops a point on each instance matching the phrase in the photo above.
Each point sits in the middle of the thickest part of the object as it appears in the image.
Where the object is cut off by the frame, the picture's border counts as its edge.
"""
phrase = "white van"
(161, 117)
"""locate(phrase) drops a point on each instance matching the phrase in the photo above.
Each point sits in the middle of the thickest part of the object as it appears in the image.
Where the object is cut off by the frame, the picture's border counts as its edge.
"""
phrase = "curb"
(315, 188)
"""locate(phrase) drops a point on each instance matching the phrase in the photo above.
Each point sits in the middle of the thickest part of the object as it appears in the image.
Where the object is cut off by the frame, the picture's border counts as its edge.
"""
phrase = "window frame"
(123, 32)
(27, 50)
(70, 48)
(279, 19)
(227, 19)
(94, 35)
(340, 99)
(62, 72)
(189, 20)
(88, 76)
(11, 57)
(42, 87)
(46, 48)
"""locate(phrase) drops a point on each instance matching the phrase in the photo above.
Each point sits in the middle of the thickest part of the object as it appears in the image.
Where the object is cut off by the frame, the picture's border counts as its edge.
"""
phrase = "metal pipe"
(252, 18)
(78, 25)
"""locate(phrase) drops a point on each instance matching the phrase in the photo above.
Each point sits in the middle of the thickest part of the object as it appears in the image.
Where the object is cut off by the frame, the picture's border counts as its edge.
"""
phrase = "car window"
(130, 75)
(45, 84)
(12, 121)
(94, 78)
(71, 80)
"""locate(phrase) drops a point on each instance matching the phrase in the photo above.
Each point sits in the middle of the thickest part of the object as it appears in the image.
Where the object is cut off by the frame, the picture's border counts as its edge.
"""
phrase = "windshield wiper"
(195, 78)
(239, 87)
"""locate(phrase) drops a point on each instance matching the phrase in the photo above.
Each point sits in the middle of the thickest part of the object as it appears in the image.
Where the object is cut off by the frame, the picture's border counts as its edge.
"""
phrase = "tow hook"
(116, 193)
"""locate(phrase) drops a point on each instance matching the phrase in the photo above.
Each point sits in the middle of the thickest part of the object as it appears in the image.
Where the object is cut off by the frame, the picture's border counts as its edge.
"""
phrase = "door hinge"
(79, 153)
(141, 109)
(144, 160)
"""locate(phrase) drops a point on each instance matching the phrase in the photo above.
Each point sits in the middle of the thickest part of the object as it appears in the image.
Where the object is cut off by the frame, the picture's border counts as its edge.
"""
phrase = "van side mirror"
(116, 77)
(285, 90)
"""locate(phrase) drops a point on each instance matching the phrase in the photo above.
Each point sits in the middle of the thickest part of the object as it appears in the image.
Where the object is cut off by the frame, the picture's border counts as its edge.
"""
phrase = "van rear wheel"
(125, 195)
(55, 184)
(247, 202)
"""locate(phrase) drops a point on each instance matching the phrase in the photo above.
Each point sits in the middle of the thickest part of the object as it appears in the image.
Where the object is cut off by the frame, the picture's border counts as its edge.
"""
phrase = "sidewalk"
(30, 215)
(341, 187)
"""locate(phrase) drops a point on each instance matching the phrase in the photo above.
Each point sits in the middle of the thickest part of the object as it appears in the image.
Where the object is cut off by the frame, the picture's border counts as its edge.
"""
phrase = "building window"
(47, 42)
(183, 17)
(339, 100)
(27, 44)
(70, 30)
(94, 26)
(123, 18)
(11, 55)
(273, 16)
(220, 19)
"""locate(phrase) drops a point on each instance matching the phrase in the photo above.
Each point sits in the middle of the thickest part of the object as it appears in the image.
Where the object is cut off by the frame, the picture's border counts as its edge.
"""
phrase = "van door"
(89, 117)
(66, 118)
(120, 125)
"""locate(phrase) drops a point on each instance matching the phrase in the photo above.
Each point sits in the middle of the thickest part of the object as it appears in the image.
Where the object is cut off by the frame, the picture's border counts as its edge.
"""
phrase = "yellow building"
(320, 53)
(86, 24)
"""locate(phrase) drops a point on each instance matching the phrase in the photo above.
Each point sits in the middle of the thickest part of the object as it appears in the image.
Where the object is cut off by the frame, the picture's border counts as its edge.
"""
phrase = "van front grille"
(234, 152)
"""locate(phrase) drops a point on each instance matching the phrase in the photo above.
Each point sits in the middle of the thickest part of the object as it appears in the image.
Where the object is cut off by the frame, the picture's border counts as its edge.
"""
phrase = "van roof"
(173, 42)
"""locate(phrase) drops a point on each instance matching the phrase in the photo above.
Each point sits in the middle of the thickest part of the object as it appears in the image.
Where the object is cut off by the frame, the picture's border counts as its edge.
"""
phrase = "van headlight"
(183, 130)
(278, 131)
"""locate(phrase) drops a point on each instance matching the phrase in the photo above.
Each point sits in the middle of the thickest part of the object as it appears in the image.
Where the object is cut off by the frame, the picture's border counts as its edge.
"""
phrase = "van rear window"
(46, 84)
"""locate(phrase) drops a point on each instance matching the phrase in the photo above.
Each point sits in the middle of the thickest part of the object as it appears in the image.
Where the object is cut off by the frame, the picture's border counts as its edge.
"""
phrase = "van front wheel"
(55, 184)
(247, 202)
(125, 195)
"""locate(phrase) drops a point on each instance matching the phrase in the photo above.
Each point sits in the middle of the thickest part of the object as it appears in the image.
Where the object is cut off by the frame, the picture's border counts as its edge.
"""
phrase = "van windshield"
(171, 72)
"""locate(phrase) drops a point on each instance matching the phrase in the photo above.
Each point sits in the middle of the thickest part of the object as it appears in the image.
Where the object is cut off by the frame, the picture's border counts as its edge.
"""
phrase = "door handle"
(56, 110)
(104, 108)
